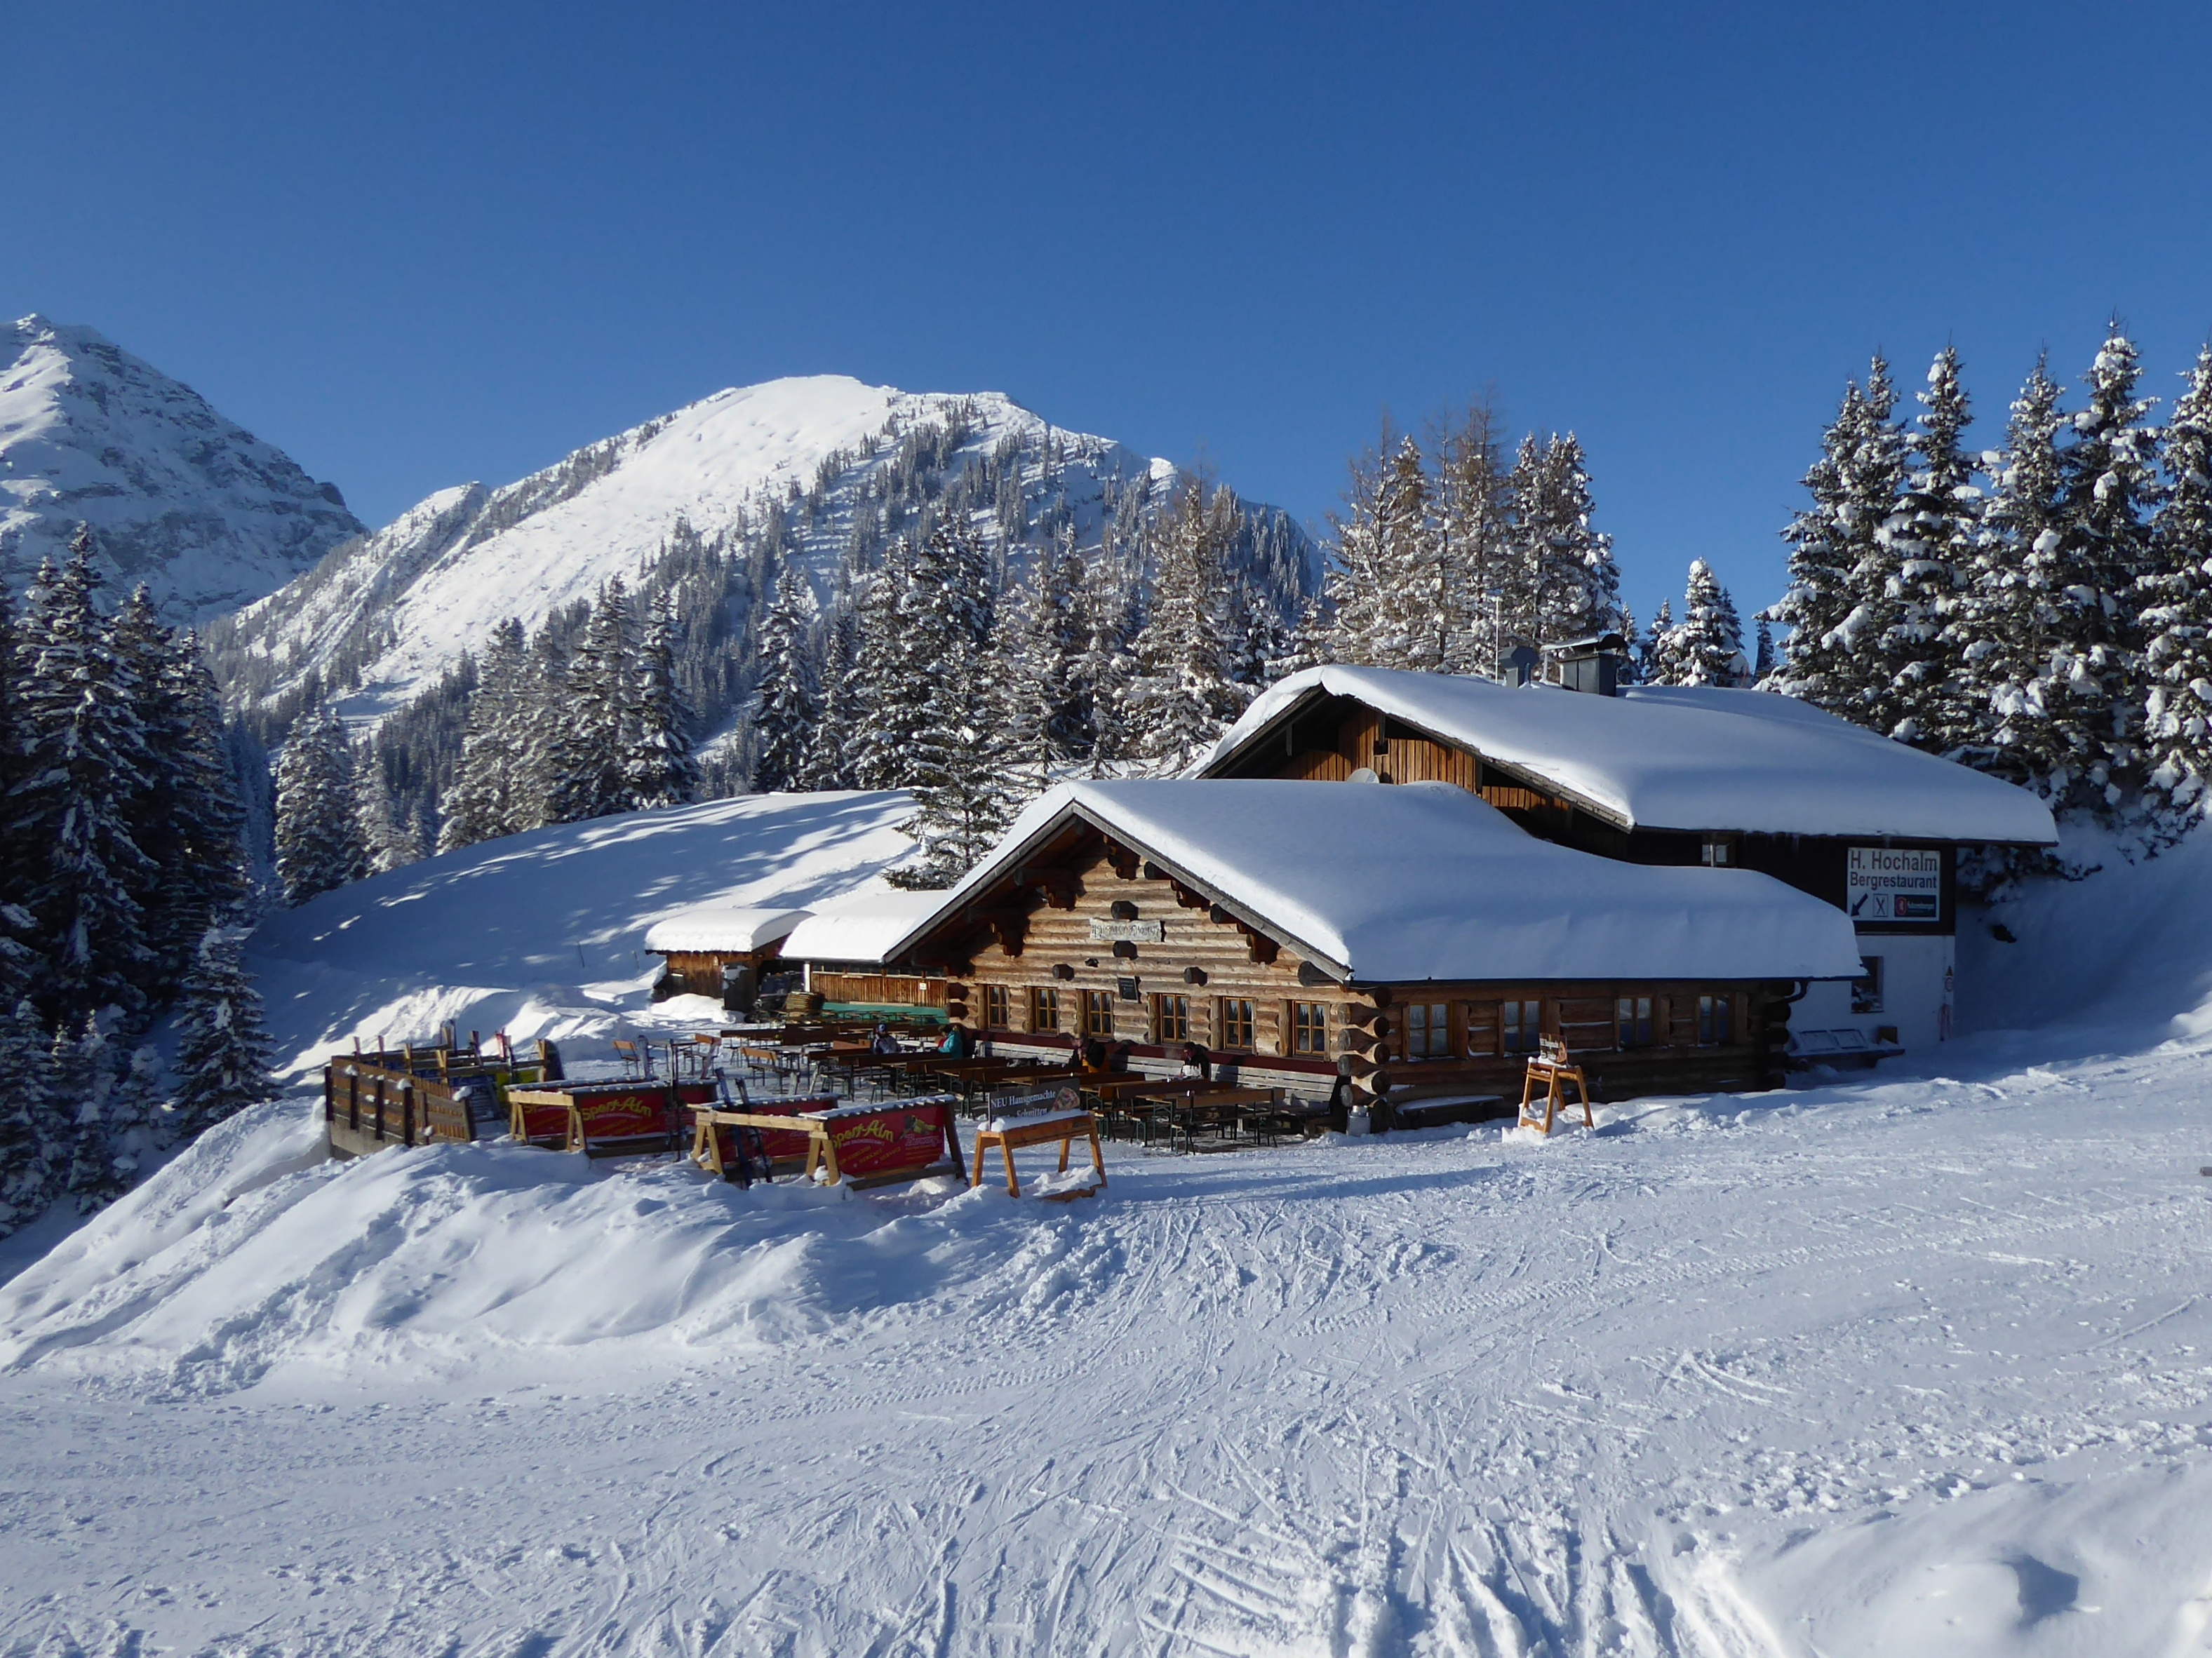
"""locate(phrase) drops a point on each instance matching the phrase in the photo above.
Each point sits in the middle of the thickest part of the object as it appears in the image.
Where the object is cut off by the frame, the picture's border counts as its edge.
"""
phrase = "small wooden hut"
(719, 951)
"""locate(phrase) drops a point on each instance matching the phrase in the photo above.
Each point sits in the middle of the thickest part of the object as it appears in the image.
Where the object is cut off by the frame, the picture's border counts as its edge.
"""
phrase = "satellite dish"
(1365, 775)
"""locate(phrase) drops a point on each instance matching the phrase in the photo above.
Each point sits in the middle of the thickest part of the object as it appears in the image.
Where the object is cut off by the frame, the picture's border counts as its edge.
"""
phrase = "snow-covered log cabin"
(1736, 779)
(718, 950)
(1416, 931)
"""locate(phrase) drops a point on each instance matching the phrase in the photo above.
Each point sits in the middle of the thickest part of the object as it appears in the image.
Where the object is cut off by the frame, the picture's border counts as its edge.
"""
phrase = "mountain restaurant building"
(1417, 934)
(1699, 778)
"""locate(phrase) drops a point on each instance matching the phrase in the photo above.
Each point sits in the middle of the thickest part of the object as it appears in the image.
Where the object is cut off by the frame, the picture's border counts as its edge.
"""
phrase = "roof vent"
(1587, 664)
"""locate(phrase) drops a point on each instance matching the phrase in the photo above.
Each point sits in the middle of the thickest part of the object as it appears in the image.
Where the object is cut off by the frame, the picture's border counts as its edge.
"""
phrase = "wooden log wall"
(1038, 954)
(880, 989)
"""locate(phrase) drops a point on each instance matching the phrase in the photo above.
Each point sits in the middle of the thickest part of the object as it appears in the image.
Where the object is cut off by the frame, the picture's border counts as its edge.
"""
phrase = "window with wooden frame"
(1519, 1025)
(1233, 1024)
(997, 1005)
(1715, 1021)
(1428, 1030)
(1631, 1022)
(1310, 1028)
(1044, 1008)
(1171, 1018)
(1098, 1014)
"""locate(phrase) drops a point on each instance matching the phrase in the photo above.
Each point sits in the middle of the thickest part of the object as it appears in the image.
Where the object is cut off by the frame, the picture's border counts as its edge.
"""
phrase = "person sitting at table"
(1094, 1055)
(1197, 1062)
(884, 1041)
(959, 1043)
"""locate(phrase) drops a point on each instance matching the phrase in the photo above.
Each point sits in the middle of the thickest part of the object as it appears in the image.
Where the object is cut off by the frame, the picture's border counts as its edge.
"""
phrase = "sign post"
(1892, 883)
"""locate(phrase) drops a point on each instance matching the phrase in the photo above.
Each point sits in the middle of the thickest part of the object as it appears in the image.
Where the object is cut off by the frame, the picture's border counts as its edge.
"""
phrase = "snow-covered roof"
(1671, 758)
(722, 928)
(860, 929)
(1426, 881)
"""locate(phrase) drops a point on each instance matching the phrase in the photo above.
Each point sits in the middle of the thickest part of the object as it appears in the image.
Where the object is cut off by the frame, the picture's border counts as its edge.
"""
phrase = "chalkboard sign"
(1129, 988)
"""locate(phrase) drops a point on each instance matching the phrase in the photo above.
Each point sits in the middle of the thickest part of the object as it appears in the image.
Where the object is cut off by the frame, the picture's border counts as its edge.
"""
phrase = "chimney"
(1587, 664)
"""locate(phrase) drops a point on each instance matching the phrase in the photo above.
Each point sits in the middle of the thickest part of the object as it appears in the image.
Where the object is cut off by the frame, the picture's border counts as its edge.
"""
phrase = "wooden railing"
(880, 989)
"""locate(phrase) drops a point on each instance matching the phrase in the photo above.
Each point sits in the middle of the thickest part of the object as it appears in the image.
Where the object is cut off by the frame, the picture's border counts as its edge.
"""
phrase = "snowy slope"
(204, 513)
(544, 933)
(399, 608)
(1913, 1365)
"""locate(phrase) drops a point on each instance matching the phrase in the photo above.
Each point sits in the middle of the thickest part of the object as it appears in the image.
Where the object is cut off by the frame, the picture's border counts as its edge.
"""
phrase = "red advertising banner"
(873, 1140)
(607, 1113)
(778, 1147)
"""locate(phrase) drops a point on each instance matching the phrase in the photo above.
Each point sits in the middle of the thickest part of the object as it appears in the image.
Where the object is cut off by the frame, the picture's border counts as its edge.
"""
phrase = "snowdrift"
(544, 934)
(251, 1259)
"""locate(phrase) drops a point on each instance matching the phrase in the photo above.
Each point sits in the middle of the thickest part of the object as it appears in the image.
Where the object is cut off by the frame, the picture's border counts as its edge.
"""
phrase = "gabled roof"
(1427, 881)
(720, 928)
(1668, 758)
(860, 929)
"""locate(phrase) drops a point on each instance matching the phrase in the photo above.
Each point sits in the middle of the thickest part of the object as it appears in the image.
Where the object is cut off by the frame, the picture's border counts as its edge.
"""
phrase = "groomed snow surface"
(1914, 1365)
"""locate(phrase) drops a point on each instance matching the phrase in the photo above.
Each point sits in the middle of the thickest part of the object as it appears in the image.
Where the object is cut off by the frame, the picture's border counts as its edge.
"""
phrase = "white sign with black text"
(1887, 883)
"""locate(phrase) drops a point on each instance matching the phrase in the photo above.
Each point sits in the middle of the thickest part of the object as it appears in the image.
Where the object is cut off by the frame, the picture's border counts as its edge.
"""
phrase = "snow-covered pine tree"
(1837, 607)
(829, 749)
(491, 792)
(32, 1153)
(786, 706)
(1921, 695)
(389, 839)
(223, 1051)
(319, 845)
(2085, 748)
(2177, 614)
(1053, 700)
(2000, 623)
(1414, 606)
(1577, 586)
(1308, 645)
(1706, 647)
(1257, 638)
(1182, 698)
(1654, 652)
(1112, 617)
(959, 769)
(881, 691)
(84, 1079)
(206, 847)
(81, 746)
(1763, 664)
(598, 721)
(1516, 600)
(660, 768)
(136, 1120)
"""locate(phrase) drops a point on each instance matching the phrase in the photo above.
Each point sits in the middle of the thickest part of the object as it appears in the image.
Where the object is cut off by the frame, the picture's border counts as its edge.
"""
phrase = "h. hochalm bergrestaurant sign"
(1103, 932)
(1888, 884)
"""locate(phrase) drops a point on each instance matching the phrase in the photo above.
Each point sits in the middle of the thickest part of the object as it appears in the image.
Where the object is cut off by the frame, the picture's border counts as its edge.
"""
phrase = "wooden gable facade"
(1093, 938)
(1329, 739)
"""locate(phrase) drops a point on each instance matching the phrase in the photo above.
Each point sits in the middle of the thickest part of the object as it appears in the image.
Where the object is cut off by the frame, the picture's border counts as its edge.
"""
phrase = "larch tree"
(1182, 698)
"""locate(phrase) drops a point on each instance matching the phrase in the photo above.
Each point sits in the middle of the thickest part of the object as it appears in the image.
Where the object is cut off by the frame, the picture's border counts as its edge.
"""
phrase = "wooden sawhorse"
(1010, 1134)
(1553, 1067)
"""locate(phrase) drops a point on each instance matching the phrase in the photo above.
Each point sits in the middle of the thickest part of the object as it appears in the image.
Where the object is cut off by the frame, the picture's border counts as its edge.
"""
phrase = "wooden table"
(1011, 1133)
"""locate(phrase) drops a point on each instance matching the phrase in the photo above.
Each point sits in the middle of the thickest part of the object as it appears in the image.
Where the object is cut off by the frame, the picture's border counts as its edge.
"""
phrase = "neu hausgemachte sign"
(1890, 883)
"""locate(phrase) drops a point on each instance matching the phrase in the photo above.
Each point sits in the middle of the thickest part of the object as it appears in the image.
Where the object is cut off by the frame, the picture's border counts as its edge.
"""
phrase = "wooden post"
(353, 1098)
(330, 1098)
(380, 1106)
(407, 1092)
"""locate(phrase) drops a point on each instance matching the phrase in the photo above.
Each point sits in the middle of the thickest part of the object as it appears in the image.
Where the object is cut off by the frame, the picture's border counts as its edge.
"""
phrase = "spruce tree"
(1473, 523)
(1837, 607)
(81, 748)
(31, 1150)
(84, 1074)
(1654, 652)
(660, 768)
(882, 690)
(1707, 647)
(222, 1053)
(2108, 484)
(389, 839)
(492, 792)
(830, 747)
(1361, 569)
(318, 845)
(597, 724)
(2002, 622)
(1920, 694)
(2176, 597)
(786, 707)
(1053, 714)
(959, 771)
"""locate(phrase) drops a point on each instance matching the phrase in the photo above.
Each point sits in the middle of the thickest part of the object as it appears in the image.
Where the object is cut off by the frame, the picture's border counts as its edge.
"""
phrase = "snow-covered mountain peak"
(819, 469)
(201, 510)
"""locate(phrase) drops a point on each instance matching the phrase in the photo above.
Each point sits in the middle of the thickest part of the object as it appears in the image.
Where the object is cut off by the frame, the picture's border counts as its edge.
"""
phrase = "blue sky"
(417, 243)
